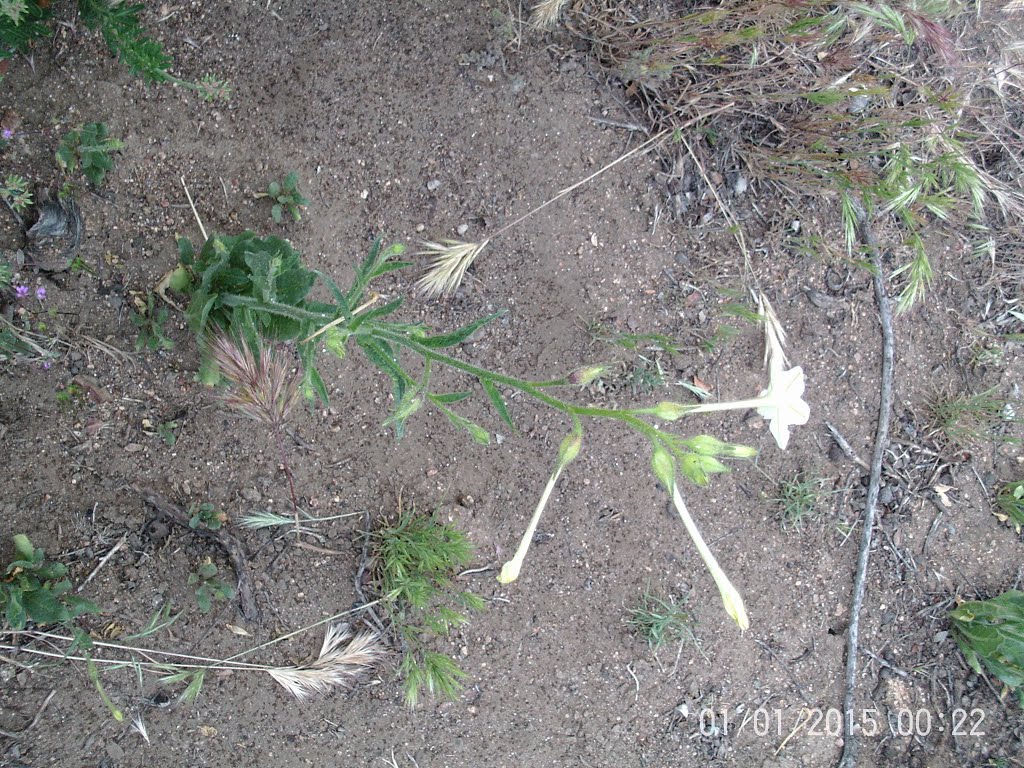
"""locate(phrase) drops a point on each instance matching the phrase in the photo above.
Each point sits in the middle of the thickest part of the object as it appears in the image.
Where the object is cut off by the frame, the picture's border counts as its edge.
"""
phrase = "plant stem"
(279, 440)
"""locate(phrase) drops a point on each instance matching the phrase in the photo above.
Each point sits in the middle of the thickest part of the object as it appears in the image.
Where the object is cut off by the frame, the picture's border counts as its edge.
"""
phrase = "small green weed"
(15, 193)
(206, 515)
(88, 148)
(35, 589)
(208, 587)
(961, 420)
(1010, 503)
(660, 621)
(797, 500)
(168, 431)
(286, 197)
(151, 327)
(68, 396)
(990, 634)
(415, 557)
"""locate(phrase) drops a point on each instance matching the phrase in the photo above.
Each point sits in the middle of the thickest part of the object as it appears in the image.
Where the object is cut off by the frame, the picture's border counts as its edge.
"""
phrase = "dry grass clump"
(912, 110)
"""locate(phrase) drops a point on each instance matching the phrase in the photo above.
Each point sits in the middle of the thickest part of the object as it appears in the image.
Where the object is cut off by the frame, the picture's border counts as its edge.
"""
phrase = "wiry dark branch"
(848, 759)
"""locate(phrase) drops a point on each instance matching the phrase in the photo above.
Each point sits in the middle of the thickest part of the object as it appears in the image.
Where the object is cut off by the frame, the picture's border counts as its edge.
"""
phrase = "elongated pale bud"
(180, 279)
(731, 598)
(696, 468)
(567, 451)
(706, 445)
(664, 467)
(584, 376)
(335, 339)
(669, 411)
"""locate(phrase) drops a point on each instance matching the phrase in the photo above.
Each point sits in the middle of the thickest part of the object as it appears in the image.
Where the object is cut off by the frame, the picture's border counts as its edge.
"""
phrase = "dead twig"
(848, 758)
(103, 562)
(364, 563)
(231, 545)
(35, 720)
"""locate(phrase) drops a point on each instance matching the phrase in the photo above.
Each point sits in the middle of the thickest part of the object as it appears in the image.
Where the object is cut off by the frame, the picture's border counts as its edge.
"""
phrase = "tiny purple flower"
(40, 293)
(8, 134)
(21, 291)
(46, 365)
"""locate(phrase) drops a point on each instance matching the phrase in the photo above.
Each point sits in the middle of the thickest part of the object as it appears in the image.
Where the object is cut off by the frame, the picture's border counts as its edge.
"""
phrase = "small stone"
(133, 448)
(885, 495)
(251, 494)
(115, 751)
(462, 229)
(433, 184)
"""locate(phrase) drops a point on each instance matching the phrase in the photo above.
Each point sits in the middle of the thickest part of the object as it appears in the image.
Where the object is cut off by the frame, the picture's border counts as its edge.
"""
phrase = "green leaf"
(275, 213)
(450, 397)
(498, 402)
(458, 336)
(478, 433)
(314, 381)
(43, 608)
(274, 189)
(15, 610)
(23, 547)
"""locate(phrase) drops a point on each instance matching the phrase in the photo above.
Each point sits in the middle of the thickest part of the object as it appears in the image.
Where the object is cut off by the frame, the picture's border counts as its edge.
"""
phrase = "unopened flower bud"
(569, 448)
(696, 468)
(334, 340)
(670, 411)
(664, 467)
(706, 445)
(585, 376)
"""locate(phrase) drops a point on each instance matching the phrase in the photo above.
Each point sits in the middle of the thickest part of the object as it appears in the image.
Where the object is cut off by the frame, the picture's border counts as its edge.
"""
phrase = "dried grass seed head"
(343, 660)
(451, 260)
(262, 383)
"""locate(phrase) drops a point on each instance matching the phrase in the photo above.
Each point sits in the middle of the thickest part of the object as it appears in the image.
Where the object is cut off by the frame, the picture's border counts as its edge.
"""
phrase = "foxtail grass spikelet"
(545, 13)
(344, 657)
(451, 260)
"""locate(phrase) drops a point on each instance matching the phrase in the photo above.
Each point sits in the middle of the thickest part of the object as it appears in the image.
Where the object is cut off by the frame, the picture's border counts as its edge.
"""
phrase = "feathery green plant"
(22, 22)
(15, 192)
(960, 419)
(415, 557)
(797, 500)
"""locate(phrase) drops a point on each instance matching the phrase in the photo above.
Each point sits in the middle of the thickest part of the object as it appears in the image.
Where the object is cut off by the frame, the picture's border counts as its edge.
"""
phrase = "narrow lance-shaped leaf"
(458, 336)
(498, 402)
(478, 433)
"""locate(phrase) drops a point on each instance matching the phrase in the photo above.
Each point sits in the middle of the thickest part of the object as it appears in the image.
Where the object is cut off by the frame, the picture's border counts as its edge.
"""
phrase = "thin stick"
(635, 151)
(846, 448)
(231, 545)
(801, 722)
(733, 223)
(30, 726)
(195, 213)
(103, 562)
(848, 758)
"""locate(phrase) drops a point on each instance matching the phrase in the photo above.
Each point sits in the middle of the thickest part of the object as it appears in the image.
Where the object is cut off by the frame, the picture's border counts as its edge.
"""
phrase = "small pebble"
(433, 184)
(462, 229)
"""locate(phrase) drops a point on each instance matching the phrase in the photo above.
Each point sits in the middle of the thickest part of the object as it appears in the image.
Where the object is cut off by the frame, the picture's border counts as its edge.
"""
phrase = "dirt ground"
(408, 120)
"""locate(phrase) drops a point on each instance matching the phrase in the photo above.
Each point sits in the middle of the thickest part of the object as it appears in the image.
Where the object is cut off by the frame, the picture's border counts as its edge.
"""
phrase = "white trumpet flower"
(566, 453)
